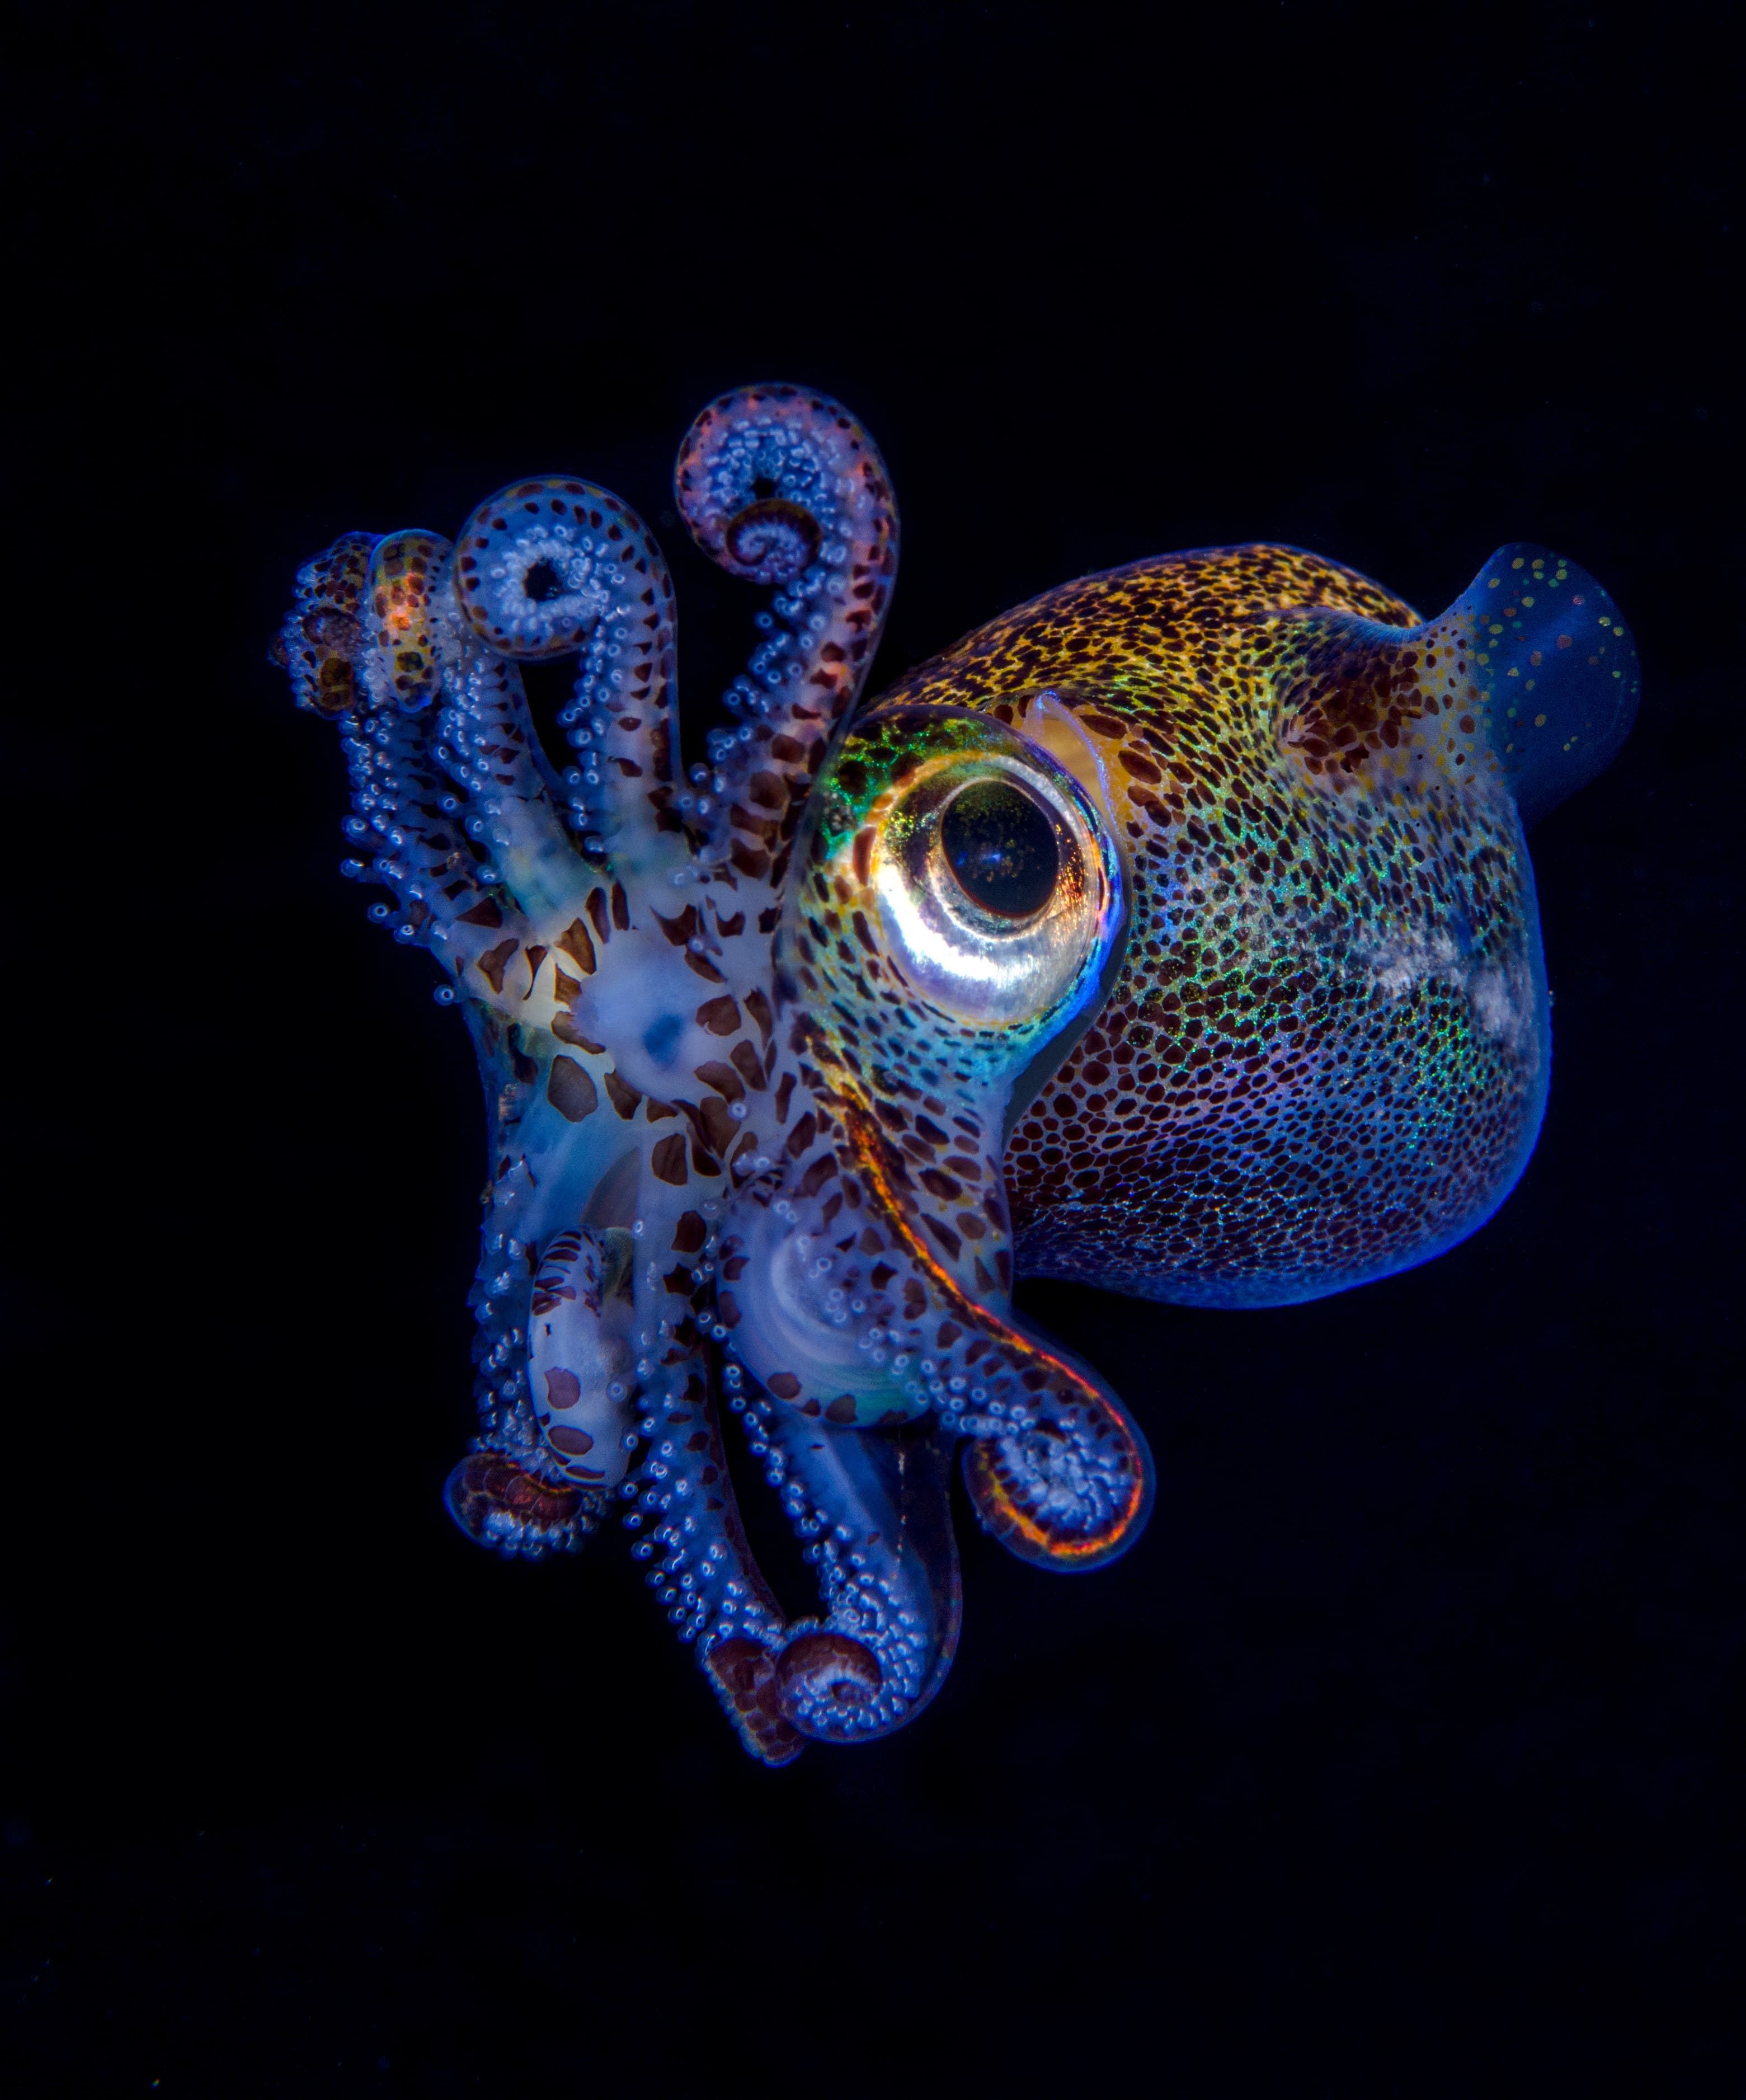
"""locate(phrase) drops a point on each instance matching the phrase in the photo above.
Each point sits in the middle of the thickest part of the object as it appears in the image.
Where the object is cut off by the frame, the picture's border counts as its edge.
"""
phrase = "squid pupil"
(1001, 847)
(542, 583)
(763, 487)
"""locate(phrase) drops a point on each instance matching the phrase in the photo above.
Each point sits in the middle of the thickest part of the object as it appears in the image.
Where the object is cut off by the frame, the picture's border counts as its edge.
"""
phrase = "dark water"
(1405, 1754)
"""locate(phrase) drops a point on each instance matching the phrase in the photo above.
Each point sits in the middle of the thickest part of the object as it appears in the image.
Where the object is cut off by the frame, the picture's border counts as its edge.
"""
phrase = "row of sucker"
(604, 1016)
(780, 486)
(556, 566)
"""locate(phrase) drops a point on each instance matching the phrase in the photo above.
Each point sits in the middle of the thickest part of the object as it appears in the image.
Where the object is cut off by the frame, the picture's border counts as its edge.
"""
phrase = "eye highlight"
(1001, 847)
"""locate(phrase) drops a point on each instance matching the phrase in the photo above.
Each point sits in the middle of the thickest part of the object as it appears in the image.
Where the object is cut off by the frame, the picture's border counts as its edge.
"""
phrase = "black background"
(1404, 1752)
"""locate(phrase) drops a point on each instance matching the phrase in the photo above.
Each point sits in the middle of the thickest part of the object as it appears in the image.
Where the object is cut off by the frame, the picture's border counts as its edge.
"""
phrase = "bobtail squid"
(1174, 932)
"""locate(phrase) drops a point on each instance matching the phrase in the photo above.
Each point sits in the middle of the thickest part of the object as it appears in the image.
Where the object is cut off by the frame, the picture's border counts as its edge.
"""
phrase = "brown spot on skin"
(744, 1060)
(723, 1078)
(574, 941)
(596, 908)
(720, 1017)
(681, 930)
(570, 1090)
(690, 1234)
(624, 1098)
(494, 961)
(727, 1305)
(821, 1170)
(572, 1442)
(667, 1162)
(785, 1385)
(485, 913)
(705, 969)
(566, 1031)
(564, 1389)
(840, 1409)
(759, 1008)
(719, 1127)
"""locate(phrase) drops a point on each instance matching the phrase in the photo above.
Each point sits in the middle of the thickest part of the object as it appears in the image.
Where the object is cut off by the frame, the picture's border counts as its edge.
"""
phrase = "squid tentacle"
(490, 752)
(1057, 1467)
(556, 566)
(702, 1568)
(780, 485)
(876, 1511)
(621, 945)
(856, 1312)
(876, 1515)
(682, 1495)
(361, 646)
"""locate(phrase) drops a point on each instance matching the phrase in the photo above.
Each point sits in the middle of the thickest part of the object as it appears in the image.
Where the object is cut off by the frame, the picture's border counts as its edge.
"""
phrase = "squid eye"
(974, 871)
(1001, 847)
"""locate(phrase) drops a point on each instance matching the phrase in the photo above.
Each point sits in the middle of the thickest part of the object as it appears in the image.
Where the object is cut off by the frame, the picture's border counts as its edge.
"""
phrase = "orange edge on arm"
(870, 1149)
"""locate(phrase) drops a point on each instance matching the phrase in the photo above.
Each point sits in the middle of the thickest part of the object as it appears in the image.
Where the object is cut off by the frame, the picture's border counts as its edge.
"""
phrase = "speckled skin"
(764, 1071)
(1326, 1055)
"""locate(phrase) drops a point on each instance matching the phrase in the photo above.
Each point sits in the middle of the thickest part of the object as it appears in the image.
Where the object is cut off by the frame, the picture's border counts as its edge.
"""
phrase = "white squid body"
(580, 1353)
